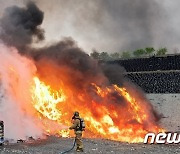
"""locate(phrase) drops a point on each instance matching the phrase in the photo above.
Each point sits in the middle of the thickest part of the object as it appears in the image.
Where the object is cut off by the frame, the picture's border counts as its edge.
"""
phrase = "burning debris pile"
(41, 88)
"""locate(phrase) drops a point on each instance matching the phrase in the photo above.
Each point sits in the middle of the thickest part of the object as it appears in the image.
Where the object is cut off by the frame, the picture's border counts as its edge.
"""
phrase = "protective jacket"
(76, 124)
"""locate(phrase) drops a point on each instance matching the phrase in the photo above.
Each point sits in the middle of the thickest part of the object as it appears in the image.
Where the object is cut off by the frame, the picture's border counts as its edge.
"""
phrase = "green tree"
(126, 54)
(104, 56)
(139, 52)
(161, 51)
(95, 54)
(115, 55)
(149, 51)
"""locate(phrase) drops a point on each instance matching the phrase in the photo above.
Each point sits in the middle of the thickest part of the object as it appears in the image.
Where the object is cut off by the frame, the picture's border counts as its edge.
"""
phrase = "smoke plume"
(60, 63)
(20, 25)
(112, 26)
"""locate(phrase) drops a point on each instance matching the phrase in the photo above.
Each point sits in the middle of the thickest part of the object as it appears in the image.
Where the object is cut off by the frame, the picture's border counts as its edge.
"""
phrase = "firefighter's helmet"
(76, 113)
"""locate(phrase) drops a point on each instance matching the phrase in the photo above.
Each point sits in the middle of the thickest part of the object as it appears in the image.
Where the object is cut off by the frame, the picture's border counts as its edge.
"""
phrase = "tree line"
(129, 54)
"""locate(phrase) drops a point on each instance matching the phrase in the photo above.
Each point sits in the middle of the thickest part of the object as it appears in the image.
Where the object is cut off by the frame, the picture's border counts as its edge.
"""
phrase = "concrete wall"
(169, 106)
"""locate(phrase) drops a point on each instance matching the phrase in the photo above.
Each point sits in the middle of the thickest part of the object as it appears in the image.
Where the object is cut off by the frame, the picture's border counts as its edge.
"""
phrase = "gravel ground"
(54, 145)
(168, 105)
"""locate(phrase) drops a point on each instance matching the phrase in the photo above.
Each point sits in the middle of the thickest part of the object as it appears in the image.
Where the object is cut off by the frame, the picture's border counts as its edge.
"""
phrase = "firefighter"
(78, 131)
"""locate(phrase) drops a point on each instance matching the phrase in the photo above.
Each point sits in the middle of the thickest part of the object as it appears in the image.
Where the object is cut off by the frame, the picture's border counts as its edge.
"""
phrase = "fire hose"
(69, 149)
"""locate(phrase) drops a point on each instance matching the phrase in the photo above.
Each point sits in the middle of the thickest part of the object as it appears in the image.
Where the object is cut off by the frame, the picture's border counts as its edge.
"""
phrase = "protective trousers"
(78, 140)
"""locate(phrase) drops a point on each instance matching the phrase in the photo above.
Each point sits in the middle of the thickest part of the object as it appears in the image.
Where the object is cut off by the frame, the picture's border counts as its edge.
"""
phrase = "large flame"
(127, 121)
(46, 96)
(45, 100)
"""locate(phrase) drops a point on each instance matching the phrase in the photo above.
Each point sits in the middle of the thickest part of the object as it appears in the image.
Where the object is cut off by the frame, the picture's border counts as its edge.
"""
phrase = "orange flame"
(45, 100)
(122, 122)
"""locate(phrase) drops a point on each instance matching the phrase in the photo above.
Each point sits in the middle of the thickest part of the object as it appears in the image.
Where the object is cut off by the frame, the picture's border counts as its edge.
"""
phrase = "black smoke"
(68, 62)
(82, 69)
(19, 26)
(114, 73)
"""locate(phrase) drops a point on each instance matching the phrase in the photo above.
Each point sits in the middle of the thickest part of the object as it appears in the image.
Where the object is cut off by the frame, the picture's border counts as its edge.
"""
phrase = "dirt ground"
(54, 145)
(168, 105)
